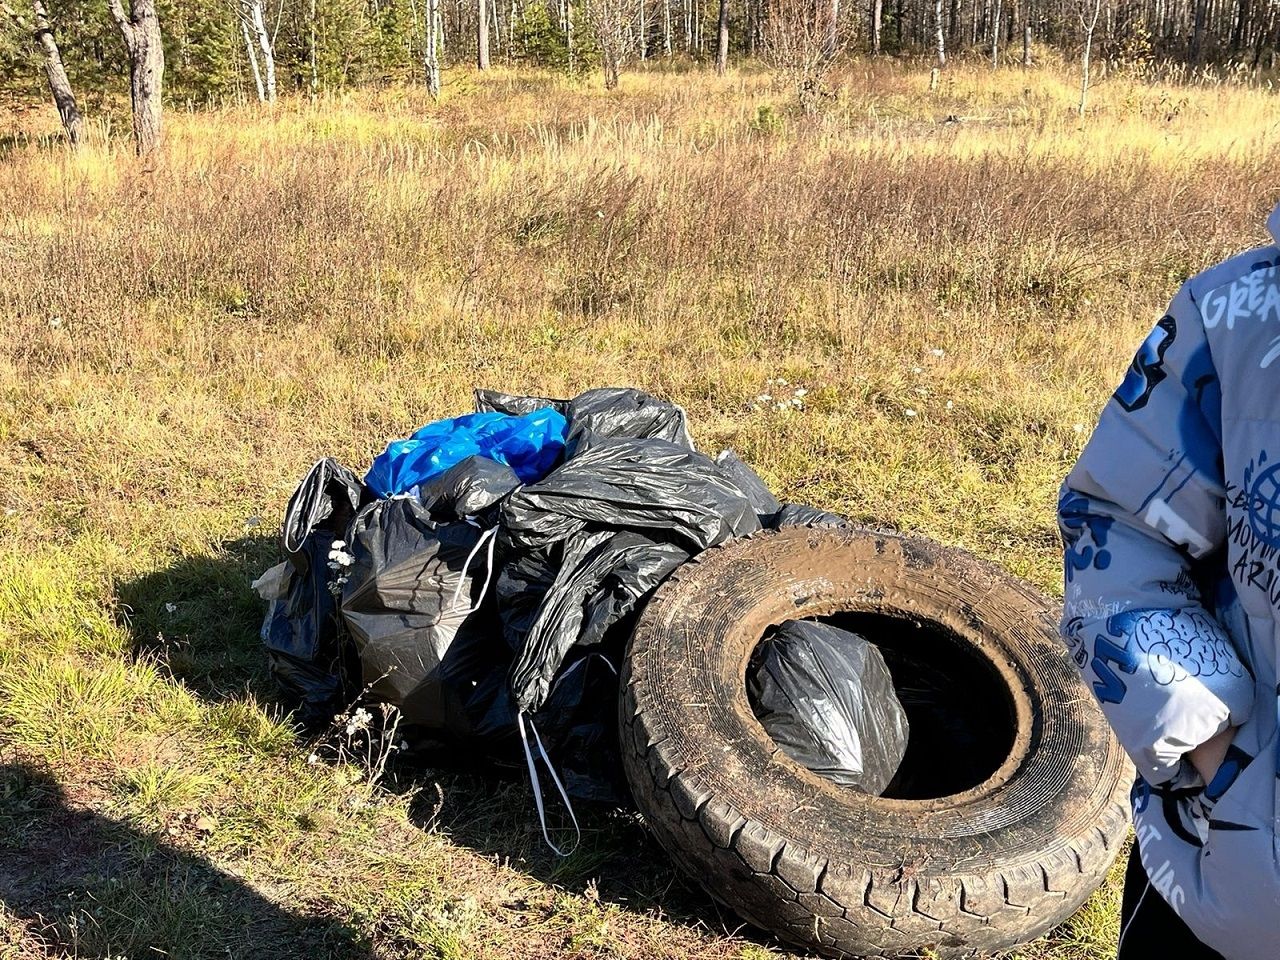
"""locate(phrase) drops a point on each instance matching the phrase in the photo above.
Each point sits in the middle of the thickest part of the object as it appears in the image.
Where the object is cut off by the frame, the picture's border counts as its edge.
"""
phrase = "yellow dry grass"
(956, 295)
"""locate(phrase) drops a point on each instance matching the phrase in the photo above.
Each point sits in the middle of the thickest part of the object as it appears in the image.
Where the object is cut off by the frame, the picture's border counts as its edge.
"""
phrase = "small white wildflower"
(1078, 428)
(909, 412)
(171, 607)
(916, 370)
(950, 404)
(801, 392)
(339, 544)
(938, 352)
(55, 323)
(600, 214)
(313, 759)
(9, 511)
(764, 398)
(782, 383)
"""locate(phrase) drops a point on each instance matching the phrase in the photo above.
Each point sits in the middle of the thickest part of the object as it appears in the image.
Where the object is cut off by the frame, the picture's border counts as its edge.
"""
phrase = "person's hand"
(1208, 757)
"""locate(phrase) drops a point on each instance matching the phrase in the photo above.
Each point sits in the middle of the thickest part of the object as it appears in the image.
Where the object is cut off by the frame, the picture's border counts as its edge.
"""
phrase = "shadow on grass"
(86, 886)
(201, 617)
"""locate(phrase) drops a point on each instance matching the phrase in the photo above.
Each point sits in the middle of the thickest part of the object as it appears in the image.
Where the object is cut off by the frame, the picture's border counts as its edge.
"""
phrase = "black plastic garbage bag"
(603, 412)
(471, 488)
(679, 495)
(675, 502)
(301, 631)
(579, 723)
(803, 515)
(748, 481)
(326, 500)
(773, 513)
(602, 578)
(425, 640)
(624, 412)
(826, 698)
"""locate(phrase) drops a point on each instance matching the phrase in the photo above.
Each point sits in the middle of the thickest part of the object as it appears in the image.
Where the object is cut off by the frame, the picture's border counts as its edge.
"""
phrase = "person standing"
(1171, 527)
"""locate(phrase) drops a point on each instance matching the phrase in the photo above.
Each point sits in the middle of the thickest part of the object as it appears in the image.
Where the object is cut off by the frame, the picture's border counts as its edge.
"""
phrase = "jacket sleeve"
(1142, 506)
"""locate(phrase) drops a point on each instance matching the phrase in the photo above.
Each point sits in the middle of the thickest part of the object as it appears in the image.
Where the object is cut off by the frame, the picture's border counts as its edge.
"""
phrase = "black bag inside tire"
(825, 696)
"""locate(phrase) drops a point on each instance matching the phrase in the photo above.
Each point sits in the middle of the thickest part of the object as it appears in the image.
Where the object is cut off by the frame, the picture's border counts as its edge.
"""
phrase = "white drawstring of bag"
(490, 535)
(533, 770)
(537, 786)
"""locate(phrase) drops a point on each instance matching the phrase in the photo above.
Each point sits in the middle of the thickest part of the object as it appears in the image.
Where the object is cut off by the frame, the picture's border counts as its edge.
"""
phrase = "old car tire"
(1001, 861)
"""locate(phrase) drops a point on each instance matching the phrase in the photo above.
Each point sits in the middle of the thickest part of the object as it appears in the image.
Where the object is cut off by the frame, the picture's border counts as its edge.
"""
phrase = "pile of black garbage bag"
(492, 592)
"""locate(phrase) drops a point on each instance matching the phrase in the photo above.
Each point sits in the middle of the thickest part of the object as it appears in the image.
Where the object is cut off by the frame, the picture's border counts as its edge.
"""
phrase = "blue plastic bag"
(531, 445)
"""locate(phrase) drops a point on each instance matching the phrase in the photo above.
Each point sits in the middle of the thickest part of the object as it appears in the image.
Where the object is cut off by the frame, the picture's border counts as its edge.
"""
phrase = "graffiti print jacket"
(1171, 521)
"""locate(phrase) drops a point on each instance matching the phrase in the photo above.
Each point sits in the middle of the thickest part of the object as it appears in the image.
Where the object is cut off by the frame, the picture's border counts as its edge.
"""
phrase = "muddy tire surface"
(1011, 802)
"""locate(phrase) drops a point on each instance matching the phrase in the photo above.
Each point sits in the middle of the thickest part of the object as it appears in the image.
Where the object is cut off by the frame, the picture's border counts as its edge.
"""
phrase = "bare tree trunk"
(940, 36)
(643, 38)
(833, 31)
(482, 36)
(254, 27)
(312, 54)
(267, 49)
(141, 31)
(59, 85)
(253, 61)
(1197, 33)
(431, 55)
(995, 37)
(1089, 26)
(877, 25)
(722, 48)
(1026, 45)
(666, 28)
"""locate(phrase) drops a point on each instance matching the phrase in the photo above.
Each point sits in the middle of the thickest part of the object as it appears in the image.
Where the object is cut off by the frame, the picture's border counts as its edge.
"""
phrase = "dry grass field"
(956, 278)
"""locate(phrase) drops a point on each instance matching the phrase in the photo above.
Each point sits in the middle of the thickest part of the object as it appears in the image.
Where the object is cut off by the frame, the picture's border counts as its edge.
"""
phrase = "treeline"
(211, 47)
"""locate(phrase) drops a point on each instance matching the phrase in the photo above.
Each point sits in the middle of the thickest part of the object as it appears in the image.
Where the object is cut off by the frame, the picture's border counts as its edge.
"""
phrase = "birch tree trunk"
(1089, 26)
(722, 48)
(431, 55)
(253, 24)
(140, 29)
(666, 28)
(940, 36)
(59, 85)
(482, 36)
(253, 61)
(568, 31)
(833, 31)
(877, 25)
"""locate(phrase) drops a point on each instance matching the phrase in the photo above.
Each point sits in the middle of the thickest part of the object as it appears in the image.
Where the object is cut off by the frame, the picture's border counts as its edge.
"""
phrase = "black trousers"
(1149, 929)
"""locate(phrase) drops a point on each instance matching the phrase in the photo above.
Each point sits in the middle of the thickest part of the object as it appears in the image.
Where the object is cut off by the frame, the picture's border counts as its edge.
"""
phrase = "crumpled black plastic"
(826, 698)
(301, 630)
(671, 502)
(472, 488)
(425, 642)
